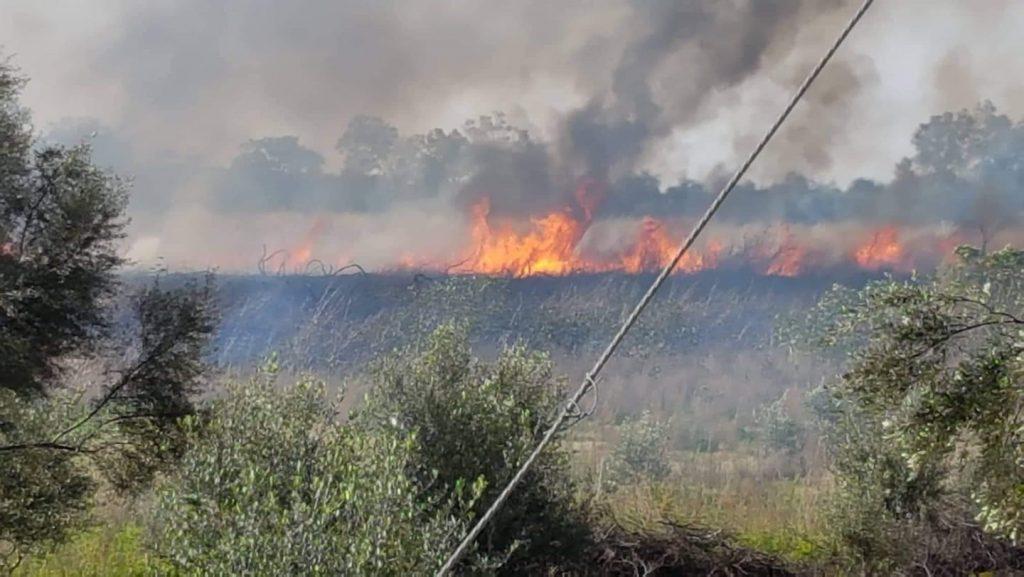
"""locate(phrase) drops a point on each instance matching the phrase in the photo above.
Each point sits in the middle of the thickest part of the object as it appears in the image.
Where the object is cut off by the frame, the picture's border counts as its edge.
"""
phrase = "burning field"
(575, 239)
(492, 199)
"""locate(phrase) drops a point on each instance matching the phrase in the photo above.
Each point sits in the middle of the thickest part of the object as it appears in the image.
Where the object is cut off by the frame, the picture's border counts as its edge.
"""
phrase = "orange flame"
(551, 246)
(654, 249)
(548, 248)
(883, 251)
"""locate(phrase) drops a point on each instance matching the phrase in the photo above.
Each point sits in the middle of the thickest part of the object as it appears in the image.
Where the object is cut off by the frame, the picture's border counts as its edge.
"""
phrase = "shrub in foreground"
(924, 426)
(273, 484)
(476, 423)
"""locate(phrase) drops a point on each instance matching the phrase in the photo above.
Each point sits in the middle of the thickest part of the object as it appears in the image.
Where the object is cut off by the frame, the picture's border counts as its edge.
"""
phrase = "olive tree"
(61, 300)
(926, 424)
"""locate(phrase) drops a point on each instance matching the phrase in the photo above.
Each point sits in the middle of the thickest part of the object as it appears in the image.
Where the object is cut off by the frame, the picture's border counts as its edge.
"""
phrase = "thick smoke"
(312, 127)
(678, 53)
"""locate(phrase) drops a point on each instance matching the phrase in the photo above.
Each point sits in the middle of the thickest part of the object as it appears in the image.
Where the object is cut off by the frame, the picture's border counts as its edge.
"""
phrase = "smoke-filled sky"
(288, 123)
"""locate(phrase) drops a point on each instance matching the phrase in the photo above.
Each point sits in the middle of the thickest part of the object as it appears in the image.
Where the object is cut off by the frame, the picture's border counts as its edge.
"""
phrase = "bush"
(642, 451)
(274, 485)
(779, 430)
(477, 423)
(924, 426)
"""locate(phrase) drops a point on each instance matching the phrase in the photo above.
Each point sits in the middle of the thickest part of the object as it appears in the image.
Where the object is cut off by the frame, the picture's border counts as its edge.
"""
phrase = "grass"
(99, 552)
(778, 517)
(770, 502)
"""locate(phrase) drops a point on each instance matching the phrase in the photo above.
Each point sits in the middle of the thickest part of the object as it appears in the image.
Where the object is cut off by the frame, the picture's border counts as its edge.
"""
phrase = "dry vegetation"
(720, 473)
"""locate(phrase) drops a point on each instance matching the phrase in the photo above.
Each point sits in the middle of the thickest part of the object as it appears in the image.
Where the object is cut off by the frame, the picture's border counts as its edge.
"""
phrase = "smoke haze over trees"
(343, 126)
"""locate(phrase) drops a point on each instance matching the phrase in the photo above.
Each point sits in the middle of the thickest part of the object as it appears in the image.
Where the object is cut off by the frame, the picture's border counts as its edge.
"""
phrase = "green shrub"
(45, 495)
(642, 451)
(779, 430)
(476, 423)
(274, 485)
(923, 426)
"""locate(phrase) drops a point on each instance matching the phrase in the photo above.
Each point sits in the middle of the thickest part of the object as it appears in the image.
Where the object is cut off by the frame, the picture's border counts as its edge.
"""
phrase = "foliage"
(881, 512)
(273, 484)
(679, 549)
(925, 426)
(44, 494)
(657, 529)
(642, 451)
(476, 423)
(140, 413)
(61, 219)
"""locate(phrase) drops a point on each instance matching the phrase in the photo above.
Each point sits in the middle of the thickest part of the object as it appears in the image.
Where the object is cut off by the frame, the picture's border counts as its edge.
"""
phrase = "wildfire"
(883, 251)
(302, 254)
(557, 243)
(654, 249)
(790, 260)
(547, 248)
(551, 245)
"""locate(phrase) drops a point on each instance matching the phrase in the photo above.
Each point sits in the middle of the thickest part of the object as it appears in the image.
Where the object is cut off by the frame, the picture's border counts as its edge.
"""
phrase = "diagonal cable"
(589, 378)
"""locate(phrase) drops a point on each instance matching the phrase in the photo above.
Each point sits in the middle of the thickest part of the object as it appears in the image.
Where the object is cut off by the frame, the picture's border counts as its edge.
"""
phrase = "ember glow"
(883, 251)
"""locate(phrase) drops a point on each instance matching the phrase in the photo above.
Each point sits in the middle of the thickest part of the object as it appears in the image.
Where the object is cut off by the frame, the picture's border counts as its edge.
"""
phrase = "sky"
(172, 89)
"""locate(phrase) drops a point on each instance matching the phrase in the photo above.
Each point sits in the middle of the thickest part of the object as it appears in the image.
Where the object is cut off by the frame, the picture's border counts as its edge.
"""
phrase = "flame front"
(551, 245)
(790, 259)
(563, 241)
(548, 247)
(654, 249)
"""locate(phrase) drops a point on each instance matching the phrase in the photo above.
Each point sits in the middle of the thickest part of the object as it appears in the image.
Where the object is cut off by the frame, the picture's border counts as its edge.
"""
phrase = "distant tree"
(424, 164)
(780, 431)
(966, 168)
(61, 220)
(274, 173)
(367, 144)
(961, 142)
(494, 129)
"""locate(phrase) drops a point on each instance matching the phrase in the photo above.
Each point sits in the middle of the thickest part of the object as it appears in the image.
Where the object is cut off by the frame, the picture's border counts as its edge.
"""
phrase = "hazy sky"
(198, 77)
(186, 82)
